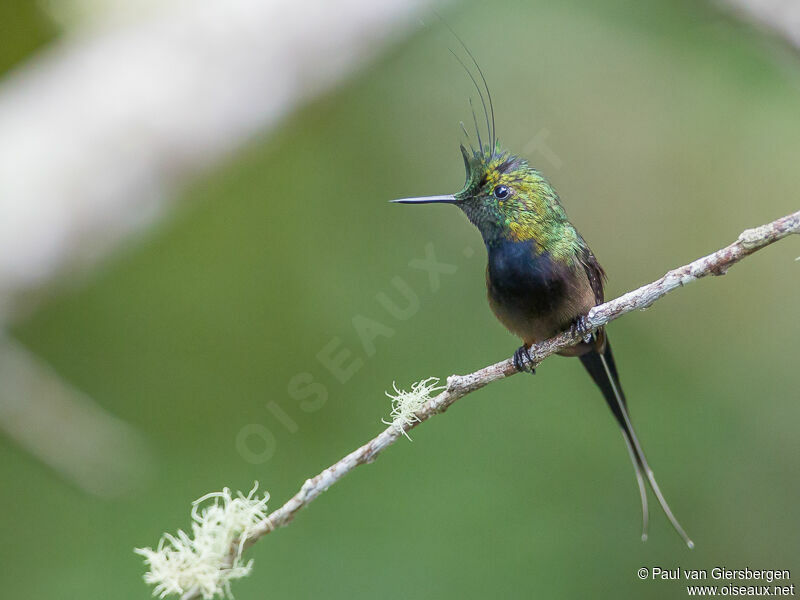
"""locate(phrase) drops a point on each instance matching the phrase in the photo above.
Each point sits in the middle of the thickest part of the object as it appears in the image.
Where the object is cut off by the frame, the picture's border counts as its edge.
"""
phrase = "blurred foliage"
(23, 29)
(673, 128)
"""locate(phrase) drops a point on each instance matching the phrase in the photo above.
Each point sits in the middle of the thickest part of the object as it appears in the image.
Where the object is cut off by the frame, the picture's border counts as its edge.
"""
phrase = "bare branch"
(459, 386)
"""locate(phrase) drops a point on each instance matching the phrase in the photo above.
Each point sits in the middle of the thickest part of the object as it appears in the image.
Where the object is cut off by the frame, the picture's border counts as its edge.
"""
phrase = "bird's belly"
(533, 295)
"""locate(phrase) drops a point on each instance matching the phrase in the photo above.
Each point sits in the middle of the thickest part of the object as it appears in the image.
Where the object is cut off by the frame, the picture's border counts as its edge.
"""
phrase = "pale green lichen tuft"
(406, 404)
(206, 562)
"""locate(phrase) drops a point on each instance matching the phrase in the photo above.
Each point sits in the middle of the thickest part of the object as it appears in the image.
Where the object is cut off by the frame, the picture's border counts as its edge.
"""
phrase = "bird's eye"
(501, 192)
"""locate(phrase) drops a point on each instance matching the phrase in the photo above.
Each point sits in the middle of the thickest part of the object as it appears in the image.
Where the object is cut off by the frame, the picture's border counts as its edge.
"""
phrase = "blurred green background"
(668, 127)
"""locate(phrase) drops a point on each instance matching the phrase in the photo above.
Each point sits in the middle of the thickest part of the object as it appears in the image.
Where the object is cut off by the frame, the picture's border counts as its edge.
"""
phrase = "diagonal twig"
(459, 386)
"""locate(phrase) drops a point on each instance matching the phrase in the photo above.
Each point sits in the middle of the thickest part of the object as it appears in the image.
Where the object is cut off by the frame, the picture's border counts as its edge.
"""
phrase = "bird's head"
(504, 197)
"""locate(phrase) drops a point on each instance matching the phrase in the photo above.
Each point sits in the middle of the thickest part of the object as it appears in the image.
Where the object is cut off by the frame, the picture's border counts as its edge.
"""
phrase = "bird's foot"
(580, 328)
(523, 360)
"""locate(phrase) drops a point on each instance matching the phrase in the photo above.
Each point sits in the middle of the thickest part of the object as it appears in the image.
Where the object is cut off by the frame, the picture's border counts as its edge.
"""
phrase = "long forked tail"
(604, 373)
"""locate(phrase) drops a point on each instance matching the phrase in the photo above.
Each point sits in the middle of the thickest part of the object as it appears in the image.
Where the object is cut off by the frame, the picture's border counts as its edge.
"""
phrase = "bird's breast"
(534, 295)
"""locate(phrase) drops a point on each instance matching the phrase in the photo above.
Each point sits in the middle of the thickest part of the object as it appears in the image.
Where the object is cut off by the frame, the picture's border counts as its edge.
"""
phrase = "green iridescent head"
(507, 199)
(503, 196)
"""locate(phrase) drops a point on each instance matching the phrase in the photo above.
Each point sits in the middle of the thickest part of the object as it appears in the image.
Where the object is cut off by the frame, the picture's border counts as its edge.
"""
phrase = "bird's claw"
(523, 360)
(580, 328)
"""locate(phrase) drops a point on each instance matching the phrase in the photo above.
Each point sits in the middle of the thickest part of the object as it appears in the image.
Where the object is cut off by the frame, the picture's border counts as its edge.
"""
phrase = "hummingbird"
(541, 276)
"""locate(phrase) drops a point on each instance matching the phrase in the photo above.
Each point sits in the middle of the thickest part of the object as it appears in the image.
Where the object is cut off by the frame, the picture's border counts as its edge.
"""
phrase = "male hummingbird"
(541, 276)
